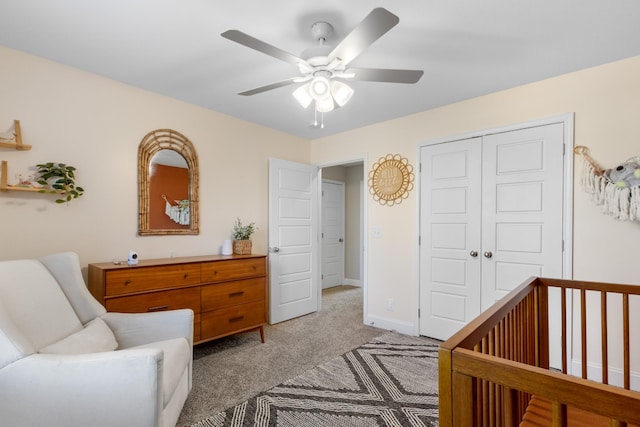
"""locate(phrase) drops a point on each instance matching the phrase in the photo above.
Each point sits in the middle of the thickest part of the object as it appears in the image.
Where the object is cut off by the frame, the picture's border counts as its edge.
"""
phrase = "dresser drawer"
(233, 269)
(232, 293)
(156, 301)
(227, 320)
(141, 279)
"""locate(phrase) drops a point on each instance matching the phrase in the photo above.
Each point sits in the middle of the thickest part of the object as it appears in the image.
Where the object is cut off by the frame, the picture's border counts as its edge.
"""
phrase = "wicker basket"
(242, 247)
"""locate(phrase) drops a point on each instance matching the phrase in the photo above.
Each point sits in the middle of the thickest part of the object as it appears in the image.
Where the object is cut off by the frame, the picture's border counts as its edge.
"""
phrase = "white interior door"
(332, 233)
(521, 208)
(450, 197)
(293, 240)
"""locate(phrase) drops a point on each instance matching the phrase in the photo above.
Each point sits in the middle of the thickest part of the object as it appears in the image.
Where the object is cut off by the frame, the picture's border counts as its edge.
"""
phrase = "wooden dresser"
(228, 294)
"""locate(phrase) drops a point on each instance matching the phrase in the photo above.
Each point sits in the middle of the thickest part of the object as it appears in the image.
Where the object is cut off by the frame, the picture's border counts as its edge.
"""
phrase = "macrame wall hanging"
(616, 189)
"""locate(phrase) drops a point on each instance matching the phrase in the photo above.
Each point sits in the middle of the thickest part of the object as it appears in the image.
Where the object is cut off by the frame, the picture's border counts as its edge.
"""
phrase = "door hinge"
(419, 240)
(418, 313)
(322, 235)
(562, 245)
(419, 167)
(322, 277)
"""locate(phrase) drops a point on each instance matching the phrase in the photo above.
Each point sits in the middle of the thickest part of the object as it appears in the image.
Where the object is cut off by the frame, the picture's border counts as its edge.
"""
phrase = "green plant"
(243, 232)
(60, 179)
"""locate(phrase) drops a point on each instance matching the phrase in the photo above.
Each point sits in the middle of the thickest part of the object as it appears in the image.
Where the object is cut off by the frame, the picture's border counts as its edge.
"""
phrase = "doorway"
(295, 212)
(332, 233)
(349, 176)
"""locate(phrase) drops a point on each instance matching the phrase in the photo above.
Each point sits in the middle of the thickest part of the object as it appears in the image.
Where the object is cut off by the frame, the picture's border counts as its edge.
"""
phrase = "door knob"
(473, 253)
(488, 254)
(276, 249)
(341, 240)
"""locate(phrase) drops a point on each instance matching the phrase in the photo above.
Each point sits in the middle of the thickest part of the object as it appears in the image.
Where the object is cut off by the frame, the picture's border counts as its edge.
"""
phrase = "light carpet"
(390, 381)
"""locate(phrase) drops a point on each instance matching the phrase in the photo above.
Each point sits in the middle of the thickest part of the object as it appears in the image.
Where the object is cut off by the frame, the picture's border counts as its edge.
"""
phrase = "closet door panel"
(450, 192)
(522, 201)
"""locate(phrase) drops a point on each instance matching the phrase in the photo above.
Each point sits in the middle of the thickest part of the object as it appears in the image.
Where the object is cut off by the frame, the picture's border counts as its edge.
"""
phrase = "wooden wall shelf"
(4, 185)
(17, 144)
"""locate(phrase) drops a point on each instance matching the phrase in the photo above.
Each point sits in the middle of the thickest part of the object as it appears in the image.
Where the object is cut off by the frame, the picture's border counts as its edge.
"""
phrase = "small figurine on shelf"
(25, 182)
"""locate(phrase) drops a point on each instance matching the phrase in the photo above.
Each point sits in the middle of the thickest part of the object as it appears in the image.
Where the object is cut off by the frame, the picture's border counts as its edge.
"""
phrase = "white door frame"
(567, 233)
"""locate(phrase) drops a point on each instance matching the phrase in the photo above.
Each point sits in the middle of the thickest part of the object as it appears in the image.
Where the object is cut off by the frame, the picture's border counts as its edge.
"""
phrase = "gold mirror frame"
(154, 141)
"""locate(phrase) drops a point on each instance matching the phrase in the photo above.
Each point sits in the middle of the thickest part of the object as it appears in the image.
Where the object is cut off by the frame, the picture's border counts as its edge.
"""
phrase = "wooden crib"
(495, 371)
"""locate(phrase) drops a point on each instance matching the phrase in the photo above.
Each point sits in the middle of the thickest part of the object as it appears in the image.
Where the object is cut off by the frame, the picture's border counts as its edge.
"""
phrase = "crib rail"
(489, 370)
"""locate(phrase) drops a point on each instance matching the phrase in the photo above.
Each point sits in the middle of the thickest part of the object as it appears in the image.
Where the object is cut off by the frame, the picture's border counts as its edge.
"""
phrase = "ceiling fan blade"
(260, 46)
(374, 26)
(265, 88)
(386, 75)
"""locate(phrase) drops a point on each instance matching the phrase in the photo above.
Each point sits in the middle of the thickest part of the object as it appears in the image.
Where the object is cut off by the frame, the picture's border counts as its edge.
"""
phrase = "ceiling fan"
(323, 68)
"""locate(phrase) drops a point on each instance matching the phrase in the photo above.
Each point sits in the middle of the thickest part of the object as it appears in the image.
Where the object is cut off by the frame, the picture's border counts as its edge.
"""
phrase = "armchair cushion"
(94, 338)
(35, 303)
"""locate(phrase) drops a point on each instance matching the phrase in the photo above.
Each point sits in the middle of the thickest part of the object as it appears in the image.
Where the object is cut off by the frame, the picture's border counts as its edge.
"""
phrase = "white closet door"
(522, 173)
(491, 215)
(450, 195)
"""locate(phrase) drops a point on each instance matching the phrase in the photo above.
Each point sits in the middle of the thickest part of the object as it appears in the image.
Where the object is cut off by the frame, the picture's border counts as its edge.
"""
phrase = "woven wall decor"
(616, 189)
(391, 179)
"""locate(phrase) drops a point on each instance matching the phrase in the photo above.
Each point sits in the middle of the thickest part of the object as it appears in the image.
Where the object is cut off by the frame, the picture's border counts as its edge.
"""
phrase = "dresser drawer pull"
(127, 282)
(158, 308)
(236, 319)
(185, 276)
(236, 294)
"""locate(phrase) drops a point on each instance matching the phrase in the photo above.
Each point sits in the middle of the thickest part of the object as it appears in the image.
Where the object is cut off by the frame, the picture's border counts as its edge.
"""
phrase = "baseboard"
(390, 324)
(594, 372)
(352, 282)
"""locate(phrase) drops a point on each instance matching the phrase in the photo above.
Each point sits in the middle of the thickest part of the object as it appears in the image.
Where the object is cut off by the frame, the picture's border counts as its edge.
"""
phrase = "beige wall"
(96, 125)
(606, 103)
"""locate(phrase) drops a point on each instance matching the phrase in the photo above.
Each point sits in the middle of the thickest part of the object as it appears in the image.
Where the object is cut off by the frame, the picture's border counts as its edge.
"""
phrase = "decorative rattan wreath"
(391, 179)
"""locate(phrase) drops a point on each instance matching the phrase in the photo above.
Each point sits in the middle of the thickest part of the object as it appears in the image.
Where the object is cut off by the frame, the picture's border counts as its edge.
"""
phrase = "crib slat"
(583, 330)
(625, 335)
(563, 332)
(603, 328)
(541, 307)
(511, 416)
(558, 414)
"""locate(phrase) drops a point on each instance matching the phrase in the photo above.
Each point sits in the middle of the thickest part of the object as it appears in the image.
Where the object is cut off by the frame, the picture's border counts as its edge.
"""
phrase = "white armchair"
(65, 361)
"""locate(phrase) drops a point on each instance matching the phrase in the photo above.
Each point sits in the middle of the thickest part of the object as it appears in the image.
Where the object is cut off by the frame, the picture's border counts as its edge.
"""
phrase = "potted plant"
(242, 237)
(60, 179)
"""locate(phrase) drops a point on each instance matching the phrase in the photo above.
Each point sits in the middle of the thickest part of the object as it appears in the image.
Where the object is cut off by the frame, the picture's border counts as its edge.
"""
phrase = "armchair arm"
(133, 329)
(100, 389)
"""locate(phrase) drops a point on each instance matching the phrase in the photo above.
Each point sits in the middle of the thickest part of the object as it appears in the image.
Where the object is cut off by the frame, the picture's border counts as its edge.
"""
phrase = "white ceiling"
(466, 48)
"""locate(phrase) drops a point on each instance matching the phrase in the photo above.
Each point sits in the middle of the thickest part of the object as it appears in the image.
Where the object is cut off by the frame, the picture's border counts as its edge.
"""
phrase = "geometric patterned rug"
(390, 381)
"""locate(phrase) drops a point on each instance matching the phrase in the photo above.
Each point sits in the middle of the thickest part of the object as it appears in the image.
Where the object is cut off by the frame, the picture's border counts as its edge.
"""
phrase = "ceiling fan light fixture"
(325, 105)
(303, 96)
(341, 92)
(319, 88)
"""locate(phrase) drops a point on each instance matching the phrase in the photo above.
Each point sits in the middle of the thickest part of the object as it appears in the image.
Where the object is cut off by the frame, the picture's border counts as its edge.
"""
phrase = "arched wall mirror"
(167, 184)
